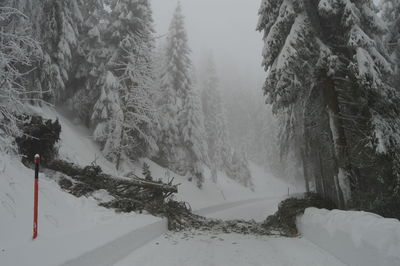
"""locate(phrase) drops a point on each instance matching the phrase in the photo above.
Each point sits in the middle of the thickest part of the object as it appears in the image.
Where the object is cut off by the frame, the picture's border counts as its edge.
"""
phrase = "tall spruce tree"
(59, 35)
(91, 61)
(326, 56)
(193, 134)
(56, 25)
(214, 119)
(128, 44)
(108, 117)
(181, 132)
(391, 15)
(176, 84)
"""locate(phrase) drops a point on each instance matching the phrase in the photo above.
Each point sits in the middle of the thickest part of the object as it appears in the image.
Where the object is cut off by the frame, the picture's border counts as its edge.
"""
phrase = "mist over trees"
(332, 91)
(98, 60)
(181, 139)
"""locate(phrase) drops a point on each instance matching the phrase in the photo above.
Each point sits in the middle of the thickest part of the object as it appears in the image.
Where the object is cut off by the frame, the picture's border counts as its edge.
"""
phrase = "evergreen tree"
(108, 117)
(326, 56)
(60, 34)
(192, 122)
(219, 150)
(178, 63)
(239, 169)
(176, 84)
(138, 105)
(90, 62)
(134, 25)
(56, 25)
(391, 15)
(18, 51)
(127, 53)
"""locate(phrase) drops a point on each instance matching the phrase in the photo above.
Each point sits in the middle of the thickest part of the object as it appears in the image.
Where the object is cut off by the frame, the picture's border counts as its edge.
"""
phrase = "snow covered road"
(256, 210)
(209, 249)
(201, 249)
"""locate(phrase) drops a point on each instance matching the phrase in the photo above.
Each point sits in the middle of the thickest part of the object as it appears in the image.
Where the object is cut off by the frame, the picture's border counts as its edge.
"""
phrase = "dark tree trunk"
(343, 169)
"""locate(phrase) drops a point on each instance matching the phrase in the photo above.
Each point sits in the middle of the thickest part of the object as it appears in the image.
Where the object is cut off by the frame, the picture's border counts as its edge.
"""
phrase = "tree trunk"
(120, 148)
(214, 175)
(100, 180)
(305, 170)
(343, 169)
(322, 179)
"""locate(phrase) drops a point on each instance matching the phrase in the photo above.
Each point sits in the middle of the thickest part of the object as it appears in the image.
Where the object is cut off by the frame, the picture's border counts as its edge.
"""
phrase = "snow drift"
(356, 238)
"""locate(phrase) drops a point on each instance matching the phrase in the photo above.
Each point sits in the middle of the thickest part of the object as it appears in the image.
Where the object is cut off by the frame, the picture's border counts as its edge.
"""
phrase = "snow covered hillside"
(64, 218)
(77, 146)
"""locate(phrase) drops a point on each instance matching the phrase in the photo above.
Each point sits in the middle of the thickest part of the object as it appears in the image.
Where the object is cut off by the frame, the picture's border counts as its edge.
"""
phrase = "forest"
(330, 118)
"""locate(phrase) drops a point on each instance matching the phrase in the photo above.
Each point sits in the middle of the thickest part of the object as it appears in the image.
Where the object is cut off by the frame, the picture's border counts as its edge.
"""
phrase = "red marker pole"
(36, 197)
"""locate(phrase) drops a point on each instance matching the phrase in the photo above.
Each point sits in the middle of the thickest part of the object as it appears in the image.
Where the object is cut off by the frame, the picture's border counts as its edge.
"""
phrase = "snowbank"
(68, 226)
(100, 245)
(356, 238)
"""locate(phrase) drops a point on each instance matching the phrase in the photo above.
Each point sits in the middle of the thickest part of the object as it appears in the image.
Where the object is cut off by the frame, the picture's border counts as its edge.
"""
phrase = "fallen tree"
(94, 175)
(282, 223)
(137, 194)
(129, 193)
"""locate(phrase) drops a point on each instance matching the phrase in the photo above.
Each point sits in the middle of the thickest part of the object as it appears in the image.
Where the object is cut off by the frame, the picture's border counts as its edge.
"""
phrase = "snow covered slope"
(60, 214)
(63, 217)
(225, 190)
(77, 146)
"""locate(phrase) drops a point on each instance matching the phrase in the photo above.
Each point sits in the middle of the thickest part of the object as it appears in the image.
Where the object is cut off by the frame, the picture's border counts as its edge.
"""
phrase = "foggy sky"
(227, 28)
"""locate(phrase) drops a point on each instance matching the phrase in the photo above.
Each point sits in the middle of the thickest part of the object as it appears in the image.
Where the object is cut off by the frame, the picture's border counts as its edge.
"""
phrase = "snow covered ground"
(60, 212)
(208, 249)
(257, 210)
(226, 189)
(200, 249)
(76, 231)
(357, 238)
(77, 146)
(70, 226)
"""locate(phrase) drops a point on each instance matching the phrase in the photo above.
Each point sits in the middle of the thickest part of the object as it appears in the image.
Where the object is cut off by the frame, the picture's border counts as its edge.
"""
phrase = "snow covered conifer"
(132, 25)
(91, 61)
(127, 54)
(239, 169)
(176, 84)
(192, 122)
(219, 150)
(326, 56)
(18, 51)
(178, 63)
(391, 15)
(108, 117)
(60, 36)
(359, 76)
